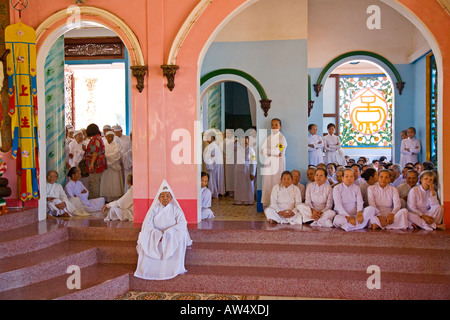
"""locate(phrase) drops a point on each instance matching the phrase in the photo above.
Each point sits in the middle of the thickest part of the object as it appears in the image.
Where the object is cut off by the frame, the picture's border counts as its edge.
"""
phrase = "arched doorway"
(228, 105)
(52, 29)
(373, 135)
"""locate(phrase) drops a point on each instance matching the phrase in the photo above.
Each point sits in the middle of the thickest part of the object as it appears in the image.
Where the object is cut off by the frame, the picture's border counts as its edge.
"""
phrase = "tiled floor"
(225, 210)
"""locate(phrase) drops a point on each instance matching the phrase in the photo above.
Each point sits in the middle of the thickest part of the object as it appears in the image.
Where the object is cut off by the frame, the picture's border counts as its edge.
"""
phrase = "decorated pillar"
(54, 106)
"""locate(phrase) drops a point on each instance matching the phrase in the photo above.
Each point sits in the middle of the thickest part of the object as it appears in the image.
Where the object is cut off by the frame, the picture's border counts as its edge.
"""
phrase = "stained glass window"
(365, 111)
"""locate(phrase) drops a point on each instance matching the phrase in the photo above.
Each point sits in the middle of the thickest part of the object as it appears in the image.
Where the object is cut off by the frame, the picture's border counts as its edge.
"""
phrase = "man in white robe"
(284, 202)
(163, 238)
(111, 183)
(121, 209)
(296, 175)
(213, 158)
(349, 205)
(273, 155)
(386, 200)
(315, 146)
(412, 177)
(76, 149)
(244, 173)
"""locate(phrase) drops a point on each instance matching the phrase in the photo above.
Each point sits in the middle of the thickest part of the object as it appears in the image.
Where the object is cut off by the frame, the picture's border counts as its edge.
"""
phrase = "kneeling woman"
(163, 238)
(284, 201)
(318, 202)
(385, 199)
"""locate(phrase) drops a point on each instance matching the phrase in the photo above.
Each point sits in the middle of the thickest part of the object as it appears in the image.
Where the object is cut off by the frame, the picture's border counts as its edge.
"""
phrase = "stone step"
(288, 282)
(424, 261)
(32, 237)
(17, 218)
(98, 282)
(420, 239)
(44, 264)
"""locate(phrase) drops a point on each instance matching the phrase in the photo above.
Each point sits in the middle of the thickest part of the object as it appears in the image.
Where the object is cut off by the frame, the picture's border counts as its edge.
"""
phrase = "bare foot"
(272, 221)
(375, 226)
(383, 221)
(441, 227)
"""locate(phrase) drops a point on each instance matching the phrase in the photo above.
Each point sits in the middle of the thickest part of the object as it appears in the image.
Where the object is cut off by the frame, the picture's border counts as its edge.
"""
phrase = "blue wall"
(281, 68)
(409, 106)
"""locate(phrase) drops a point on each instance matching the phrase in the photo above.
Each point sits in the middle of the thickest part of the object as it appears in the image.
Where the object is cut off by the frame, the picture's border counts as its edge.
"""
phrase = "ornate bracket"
(400, 86)
(139, 72)
(169, 71)
(310, 107)
(317, 88)
(265, 105)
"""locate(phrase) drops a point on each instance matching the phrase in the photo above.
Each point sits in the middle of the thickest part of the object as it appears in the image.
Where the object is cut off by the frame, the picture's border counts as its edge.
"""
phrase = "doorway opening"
(359, 100)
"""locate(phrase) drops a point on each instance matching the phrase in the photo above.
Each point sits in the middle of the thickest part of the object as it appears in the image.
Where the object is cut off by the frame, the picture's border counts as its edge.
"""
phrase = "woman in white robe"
(121, 209)
(273, 158)
(76, 149)
(386, 200)
(163, 239)
(213, 158)
(111, 183)
(319, 202)
(424, 209)
(331, 147)
(244, 173)
(410, 148)
(206, 198)
(349, 205)
(369, 178)
(315, 146)
(228, 147)
(58, 204)
(127, 162)
(75, 189)
(284, 202)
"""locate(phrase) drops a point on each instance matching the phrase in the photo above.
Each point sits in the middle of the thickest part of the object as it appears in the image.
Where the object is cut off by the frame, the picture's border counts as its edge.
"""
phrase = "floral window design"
(365, 116)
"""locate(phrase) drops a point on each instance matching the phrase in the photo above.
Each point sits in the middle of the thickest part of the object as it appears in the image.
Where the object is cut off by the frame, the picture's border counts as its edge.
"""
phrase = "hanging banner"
(22, 90)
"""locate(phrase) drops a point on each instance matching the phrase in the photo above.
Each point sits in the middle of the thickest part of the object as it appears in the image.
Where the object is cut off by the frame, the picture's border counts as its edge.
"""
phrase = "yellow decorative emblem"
(368, 111)
(280, 146)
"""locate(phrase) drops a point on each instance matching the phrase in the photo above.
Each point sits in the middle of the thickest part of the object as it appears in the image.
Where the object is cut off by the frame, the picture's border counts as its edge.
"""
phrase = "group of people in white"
(339, 193)
(99, 175)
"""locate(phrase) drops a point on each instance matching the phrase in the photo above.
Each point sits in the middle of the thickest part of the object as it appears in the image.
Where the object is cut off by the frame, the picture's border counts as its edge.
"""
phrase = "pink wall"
(158, 111)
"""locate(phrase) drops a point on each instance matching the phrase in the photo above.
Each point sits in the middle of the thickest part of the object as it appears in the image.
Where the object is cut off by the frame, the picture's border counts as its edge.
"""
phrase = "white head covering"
(106, 126)
(117, 128)
(109, 132)
(77, 132)
(163, 188)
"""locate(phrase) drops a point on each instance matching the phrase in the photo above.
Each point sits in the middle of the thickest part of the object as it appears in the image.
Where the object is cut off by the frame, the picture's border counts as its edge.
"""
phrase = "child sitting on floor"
(206, 197)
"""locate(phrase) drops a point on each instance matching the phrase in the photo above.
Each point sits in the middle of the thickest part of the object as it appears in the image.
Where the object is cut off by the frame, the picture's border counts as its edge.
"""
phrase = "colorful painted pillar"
(54, 105)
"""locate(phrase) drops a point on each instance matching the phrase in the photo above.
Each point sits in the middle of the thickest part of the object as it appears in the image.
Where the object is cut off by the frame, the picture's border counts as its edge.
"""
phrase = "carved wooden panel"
(93, 48)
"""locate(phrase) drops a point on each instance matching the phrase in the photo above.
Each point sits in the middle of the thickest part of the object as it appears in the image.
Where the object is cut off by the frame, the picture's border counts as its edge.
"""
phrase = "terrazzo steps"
(235, 258)
(321, 283)
(98, 282)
